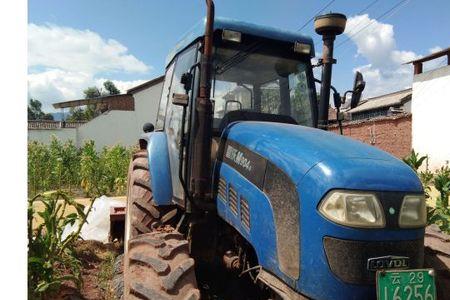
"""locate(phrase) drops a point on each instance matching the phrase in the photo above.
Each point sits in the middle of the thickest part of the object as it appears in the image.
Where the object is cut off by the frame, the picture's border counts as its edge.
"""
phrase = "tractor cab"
(257, 70)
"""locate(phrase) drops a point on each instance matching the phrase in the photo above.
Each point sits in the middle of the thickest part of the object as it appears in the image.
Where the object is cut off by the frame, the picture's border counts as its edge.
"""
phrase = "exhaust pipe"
(201, 158)
(328, 26)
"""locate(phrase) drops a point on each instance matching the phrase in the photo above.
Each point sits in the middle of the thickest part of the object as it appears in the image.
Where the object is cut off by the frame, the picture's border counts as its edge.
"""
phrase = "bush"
(51, 258)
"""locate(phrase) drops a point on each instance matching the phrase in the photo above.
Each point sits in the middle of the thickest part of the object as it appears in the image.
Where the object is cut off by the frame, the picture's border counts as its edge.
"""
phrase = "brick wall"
(391, 134)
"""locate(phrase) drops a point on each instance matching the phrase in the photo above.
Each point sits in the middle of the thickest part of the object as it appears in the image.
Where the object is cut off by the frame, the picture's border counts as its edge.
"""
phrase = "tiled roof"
(388, 100)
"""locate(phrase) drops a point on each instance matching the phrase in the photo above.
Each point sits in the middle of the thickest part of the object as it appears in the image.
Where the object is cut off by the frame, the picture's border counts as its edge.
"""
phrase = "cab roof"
(248, 28)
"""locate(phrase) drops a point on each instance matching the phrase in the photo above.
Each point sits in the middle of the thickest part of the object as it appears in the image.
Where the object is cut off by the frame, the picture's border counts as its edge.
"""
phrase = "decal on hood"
(238, 157)
(251, 165)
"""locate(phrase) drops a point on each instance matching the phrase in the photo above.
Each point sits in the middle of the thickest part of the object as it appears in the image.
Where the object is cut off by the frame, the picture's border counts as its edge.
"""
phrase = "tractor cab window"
(262, 83)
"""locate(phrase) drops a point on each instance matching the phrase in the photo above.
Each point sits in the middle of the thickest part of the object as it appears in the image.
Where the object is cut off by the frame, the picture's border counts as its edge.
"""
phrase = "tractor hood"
(327, 159)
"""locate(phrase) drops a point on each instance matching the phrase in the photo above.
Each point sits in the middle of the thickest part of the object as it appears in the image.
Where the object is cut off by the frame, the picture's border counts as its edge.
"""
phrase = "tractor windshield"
(262, 82)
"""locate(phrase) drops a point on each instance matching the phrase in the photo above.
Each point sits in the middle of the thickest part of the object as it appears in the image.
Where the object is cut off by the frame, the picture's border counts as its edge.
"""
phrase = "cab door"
(173, 120)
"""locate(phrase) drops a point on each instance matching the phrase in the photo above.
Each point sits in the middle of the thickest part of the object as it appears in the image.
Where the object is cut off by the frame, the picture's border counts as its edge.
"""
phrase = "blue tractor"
(239, 188)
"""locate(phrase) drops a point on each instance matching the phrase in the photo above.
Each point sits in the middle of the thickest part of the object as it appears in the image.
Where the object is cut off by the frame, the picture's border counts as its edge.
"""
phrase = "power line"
(367, 7)
(312, 18)
(372, 21)
(362, 11)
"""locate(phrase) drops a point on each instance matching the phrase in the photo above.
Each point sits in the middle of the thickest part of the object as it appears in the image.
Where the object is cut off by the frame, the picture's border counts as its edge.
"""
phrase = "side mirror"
(358, 87)
(148, 127)
(186, 81)
(183, 99)
(337, 100)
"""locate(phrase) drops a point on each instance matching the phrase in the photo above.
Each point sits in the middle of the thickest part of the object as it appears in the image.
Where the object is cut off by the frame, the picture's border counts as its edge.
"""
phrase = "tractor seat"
(248, 115)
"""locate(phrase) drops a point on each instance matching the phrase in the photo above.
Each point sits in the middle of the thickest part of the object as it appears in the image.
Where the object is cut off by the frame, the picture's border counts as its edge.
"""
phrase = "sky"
(76, 44)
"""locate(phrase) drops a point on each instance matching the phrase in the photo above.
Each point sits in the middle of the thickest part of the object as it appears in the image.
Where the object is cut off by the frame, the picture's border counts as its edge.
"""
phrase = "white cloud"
(385, 71)
(70, 60)
(123, 86)
(435, 49)
(78, 50)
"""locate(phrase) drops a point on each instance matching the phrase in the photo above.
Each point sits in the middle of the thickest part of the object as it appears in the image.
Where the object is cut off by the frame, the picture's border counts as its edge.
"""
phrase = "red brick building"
(390, 133)
(383, 122)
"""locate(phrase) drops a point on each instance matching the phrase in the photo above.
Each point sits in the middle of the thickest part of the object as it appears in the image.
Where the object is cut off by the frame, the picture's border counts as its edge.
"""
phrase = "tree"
(111, 87)
(76, 114)
(35, 111)
(87, 113)
(82, 114)
(91, 92)
(48, 117)
(91, 110)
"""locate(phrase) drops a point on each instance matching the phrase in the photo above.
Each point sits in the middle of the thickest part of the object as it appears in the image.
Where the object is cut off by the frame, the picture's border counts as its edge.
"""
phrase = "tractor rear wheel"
(142, 215)
(158, 266)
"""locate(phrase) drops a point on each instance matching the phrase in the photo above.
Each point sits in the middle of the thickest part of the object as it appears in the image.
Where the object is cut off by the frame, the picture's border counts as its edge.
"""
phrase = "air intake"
(222, 190)
(232, 200)
(245, 213)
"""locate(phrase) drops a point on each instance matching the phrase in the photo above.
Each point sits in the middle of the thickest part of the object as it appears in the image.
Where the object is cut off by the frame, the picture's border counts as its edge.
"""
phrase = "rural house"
(120, 122)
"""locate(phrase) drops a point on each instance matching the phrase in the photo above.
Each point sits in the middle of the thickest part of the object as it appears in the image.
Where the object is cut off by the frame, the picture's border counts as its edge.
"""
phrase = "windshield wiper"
(237, 58)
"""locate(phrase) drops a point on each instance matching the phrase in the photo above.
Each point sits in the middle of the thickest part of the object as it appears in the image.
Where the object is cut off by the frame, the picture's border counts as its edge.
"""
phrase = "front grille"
(348, 259)
(232, 200)
(245, 213)
(222, 189)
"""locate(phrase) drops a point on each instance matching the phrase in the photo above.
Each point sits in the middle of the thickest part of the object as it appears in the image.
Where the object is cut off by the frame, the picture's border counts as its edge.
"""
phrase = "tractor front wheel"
(142, 214)
(157, 264)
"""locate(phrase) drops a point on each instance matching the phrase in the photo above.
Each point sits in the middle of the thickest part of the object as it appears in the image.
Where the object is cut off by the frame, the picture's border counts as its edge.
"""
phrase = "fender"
(159, 166)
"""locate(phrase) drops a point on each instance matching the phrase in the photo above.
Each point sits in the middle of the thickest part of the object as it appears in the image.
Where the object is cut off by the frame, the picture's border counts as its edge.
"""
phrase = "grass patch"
(106, 274)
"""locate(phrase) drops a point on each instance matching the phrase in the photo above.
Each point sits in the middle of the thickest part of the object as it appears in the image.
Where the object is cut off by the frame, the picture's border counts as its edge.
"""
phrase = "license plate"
(406, 284)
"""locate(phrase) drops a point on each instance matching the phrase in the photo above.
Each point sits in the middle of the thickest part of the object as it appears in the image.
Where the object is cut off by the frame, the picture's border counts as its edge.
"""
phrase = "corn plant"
(115, 161)
(71, 165)
(414, 160)
(442, 184)
(91, 170)
(61, 166)
(56, 162)
(51, 258)
(39, 168)
(440, 215)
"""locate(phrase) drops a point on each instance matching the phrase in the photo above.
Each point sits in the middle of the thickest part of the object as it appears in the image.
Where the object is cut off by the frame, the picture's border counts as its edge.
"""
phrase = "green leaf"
(42, 287)
(35, 260)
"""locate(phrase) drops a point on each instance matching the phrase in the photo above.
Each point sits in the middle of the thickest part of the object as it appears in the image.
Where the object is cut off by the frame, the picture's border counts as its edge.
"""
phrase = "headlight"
(351, 208)
(413, 212)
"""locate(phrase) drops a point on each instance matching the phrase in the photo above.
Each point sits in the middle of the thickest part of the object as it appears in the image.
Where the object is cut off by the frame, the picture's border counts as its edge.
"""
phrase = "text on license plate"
(406, 285)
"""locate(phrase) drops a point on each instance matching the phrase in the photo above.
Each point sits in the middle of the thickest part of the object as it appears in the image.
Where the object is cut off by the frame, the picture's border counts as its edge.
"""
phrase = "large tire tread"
(144, 215)
(159, 267)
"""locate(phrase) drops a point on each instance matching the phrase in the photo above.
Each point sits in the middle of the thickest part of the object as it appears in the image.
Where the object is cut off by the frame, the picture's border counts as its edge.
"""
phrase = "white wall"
(146, 103)
(110, 128)
(45, 135)
(431, 115)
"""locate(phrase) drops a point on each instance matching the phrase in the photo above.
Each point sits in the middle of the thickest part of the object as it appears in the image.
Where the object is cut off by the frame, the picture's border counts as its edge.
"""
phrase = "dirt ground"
(98, 261)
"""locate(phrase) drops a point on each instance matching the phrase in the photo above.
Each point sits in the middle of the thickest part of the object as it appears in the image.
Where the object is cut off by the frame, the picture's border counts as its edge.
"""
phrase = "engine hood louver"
(233, 200)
